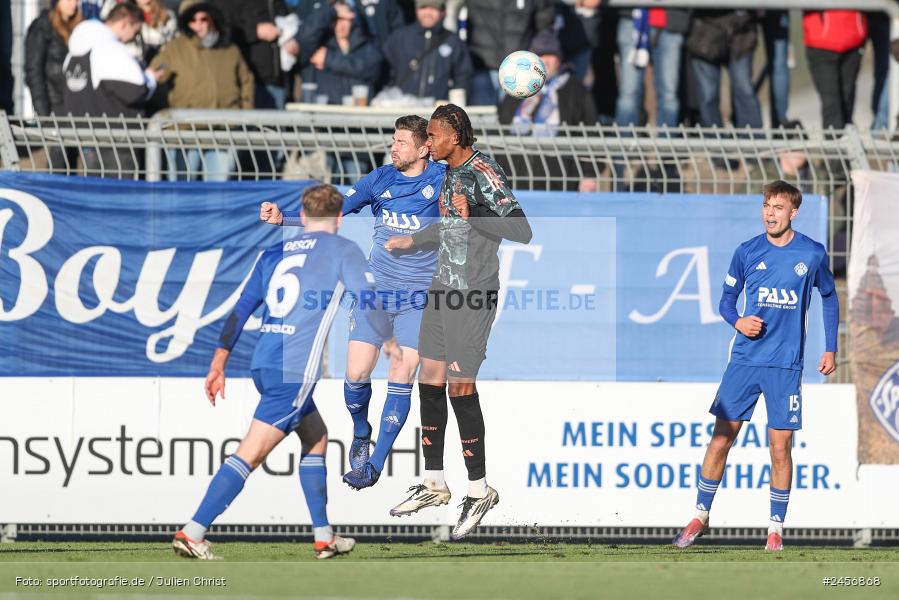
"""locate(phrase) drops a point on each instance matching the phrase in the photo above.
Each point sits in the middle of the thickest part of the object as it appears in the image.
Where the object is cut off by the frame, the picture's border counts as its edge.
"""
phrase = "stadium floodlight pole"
(890, 7)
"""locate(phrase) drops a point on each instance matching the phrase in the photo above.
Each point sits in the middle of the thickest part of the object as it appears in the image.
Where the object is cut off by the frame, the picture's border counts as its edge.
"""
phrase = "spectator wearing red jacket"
(833, 43)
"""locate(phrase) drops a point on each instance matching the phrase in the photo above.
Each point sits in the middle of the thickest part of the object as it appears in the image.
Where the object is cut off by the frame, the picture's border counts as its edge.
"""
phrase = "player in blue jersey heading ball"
(286, 362)
(776, 272)
(403, 199)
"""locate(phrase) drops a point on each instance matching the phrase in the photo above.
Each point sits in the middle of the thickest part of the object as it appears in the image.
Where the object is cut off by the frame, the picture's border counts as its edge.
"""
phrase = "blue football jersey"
(777, 285)
(401, 206)
(301, 282)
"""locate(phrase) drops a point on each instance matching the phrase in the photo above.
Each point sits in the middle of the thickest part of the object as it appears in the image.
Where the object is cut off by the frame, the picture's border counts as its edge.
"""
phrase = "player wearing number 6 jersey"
(301, 283)
(776, 272)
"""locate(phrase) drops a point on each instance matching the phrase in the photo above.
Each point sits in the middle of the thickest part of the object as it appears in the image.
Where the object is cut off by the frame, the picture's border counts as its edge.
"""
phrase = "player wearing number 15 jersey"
(301, 283)
(776, 272)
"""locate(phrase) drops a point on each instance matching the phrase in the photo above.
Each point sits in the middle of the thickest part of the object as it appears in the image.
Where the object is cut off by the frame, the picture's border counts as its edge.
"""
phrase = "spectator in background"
(834, 40)
(563, 100)
(879, 32)
(91, 9)
(378, 18)
(253, 29)
(494, 29)
(427, 60)
(605, 81)
(46, 47)
(724, 39)
(577, 26)
(160, 25)
(650, 35)
(776, 29)
(203, 69)
(336, 54)
(104, 79)
(6, 79)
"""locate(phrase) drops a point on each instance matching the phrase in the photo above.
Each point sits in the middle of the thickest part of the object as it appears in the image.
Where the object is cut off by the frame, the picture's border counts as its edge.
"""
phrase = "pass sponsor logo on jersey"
(778, 298)
(884, 401)
(400, 220)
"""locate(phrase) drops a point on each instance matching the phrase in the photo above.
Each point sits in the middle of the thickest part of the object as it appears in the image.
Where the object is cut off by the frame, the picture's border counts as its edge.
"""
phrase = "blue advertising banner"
(102, 277)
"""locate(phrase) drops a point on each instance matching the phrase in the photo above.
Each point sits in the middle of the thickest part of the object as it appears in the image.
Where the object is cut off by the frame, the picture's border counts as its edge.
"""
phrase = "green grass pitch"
(453, 571)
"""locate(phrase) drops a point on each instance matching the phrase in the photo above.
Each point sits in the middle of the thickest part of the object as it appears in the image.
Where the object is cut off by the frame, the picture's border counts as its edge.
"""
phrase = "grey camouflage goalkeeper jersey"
(467, 248)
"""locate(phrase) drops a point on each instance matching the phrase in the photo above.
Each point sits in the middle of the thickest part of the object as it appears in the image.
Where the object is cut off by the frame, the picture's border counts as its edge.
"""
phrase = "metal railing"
(340, 148)
(539, 535)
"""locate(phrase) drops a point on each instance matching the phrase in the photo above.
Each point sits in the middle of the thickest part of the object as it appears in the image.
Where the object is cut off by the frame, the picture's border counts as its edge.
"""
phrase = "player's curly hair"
(458, 121)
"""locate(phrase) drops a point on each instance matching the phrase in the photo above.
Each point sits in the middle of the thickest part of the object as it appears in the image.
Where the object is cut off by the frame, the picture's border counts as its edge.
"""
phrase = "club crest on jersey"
(428, 192)
(400, 220)
(884, 401)
(800, 269)
(778, 297)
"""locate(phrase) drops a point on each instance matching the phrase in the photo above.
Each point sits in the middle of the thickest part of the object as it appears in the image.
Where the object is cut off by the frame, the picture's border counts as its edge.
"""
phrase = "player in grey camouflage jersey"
(477, 211)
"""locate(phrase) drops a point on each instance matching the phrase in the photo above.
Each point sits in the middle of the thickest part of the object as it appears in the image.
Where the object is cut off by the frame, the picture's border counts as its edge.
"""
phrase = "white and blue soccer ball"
(522, 74)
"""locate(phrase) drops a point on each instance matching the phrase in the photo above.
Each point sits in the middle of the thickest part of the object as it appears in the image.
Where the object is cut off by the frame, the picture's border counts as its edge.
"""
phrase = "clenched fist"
(270, 213)
(749, 326)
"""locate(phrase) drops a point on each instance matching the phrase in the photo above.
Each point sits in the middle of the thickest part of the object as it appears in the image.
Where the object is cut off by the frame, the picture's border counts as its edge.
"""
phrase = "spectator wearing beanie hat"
(202, 68)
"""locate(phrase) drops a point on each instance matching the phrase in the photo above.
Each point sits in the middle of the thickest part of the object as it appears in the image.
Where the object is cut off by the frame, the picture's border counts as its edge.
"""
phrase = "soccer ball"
(522, 74)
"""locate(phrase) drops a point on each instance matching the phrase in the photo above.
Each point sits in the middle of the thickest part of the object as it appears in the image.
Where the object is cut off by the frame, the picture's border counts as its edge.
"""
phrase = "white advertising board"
(143, 450)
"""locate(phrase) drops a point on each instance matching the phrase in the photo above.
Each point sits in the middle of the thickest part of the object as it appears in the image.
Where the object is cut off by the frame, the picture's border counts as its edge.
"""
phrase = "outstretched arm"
(513, 226)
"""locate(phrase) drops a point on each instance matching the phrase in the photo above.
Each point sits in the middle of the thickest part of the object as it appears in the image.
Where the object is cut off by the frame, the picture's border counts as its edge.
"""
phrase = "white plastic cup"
(348, 101)
(360, 95)
(321, 98)
(457, 96)
(308, 91)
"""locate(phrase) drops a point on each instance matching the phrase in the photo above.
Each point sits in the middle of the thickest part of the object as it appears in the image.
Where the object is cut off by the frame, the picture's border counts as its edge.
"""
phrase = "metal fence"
(340, 147)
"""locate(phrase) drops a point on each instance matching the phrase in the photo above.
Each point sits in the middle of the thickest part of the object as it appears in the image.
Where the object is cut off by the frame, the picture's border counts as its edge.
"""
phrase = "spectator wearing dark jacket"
(724, 39)
(563, 100)
(577, 25)
(46, 47)
(425, 59)
(336, 54)
(253, 29)
(496, 28)
(378, 18)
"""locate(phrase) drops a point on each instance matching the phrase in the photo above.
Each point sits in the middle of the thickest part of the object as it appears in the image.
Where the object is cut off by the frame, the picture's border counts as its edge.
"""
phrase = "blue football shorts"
(404, 318)
(740, 388)
(281, 404)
